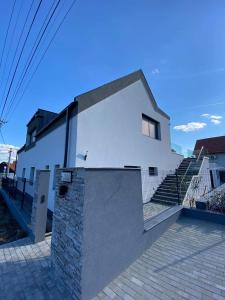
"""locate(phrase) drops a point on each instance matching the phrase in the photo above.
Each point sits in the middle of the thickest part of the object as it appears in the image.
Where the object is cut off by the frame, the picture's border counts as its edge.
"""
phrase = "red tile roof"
(211, 145)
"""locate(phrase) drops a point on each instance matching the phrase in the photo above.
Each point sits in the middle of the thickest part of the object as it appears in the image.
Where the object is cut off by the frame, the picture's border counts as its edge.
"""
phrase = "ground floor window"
(23, 172)
(132, 167)
(32, 172)
(153, 171)
(222, 177)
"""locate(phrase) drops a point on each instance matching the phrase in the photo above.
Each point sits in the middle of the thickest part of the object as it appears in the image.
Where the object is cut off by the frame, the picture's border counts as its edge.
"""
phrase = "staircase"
(174, 187)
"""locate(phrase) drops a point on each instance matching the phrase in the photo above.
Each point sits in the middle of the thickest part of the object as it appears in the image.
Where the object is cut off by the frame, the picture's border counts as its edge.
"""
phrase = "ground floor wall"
(149, 182)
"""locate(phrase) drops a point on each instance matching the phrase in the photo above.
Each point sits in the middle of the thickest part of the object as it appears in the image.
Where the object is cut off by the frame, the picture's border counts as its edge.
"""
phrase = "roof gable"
(211, 145)
(92, 97)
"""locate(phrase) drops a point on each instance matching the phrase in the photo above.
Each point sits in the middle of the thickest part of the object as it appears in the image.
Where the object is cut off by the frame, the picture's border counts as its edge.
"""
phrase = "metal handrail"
(199, 155)
(184, 176)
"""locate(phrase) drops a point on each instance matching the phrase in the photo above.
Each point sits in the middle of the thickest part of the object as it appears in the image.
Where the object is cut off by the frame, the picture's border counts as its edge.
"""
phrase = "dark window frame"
(32, 175)
(156, 124)
(152, 171)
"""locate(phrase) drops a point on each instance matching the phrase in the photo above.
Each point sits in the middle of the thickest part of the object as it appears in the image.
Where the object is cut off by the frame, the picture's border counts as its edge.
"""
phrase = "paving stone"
(187, 262)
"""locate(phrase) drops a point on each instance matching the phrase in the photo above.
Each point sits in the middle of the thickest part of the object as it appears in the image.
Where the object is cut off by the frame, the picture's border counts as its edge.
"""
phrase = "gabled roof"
(94, 96)
(211, 145)
(41, 112)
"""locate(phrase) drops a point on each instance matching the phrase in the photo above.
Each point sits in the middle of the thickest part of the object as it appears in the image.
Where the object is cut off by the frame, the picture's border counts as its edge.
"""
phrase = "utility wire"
(35, 50)
(20, 81)
(10, 43)
(42, 57)
(7, 32)
(2, 136)
(18, 61)
(17, 47)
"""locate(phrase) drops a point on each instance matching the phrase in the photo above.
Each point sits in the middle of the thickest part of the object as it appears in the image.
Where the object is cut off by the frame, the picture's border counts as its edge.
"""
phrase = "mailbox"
(63, 189)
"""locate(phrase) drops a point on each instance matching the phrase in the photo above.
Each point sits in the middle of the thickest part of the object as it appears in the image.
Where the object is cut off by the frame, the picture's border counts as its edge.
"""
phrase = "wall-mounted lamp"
(85, 156)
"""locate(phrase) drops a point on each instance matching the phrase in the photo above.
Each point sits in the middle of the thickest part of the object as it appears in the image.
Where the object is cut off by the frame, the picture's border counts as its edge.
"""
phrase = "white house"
(116, 125)
(214, 148)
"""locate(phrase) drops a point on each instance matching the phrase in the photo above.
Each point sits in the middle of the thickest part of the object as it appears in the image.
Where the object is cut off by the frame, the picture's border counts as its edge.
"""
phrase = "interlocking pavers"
(187, 262)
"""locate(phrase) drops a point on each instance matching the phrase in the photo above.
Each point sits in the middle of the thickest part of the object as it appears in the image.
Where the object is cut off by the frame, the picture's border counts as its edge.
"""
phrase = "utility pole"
(10, 153)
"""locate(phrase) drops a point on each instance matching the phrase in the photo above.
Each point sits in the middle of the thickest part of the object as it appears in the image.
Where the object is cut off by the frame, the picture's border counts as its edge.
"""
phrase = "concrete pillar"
(97, 227)
(40, 205)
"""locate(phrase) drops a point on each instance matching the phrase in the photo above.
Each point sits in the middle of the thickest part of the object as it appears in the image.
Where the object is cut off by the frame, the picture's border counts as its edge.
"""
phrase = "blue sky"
(179, 45)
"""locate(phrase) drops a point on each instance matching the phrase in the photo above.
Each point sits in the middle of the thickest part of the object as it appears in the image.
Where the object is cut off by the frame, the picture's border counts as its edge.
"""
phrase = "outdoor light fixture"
(85, 156)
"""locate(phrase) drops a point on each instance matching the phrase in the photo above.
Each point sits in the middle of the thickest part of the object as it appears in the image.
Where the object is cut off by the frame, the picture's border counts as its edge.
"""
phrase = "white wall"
(220, 159)
(111, 132)
(48, 151)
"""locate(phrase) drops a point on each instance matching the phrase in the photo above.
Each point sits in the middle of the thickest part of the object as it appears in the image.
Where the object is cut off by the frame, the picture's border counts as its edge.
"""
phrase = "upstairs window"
(31, 138)
(150, 127)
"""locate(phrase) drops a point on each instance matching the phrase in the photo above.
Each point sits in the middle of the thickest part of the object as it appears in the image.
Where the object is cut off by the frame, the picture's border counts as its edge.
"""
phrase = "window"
(153, 171)
(47, 167)
(23, 172)
(32, 172)
(54, 178)
(132, 167)
(150, 127)
(31, 137)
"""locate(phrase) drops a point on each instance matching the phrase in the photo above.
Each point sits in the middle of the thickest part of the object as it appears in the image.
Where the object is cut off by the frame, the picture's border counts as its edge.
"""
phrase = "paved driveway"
(187, 262)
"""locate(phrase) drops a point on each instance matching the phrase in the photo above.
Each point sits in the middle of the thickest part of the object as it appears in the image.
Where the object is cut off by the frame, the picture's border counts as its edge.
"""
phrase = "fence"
(20, 191)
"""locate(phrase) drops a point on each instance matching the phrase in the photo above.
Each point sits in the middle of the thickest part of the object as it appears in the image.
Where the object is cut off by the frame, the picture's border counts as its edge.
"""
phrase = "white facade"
(110, 134)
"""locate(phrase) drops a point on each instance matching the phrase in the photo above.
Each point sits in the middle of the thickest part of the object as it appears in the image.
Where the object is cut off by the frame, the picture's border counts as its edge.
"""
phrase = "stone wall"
(68, 232)
(97, 228)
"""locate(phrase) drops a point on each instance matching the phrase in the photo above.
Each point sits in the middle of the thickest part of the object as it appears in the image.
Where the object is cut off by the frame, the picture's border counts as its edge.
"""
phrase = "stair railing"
(200, 153)
(182, 179)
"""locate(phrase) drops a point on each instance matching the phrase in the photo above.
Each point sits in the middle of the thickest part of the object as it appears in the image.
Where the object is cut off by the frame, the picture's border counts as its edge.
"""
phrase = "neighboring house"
(214, 148)
(4, 166)
(116, 125)
(12, 166)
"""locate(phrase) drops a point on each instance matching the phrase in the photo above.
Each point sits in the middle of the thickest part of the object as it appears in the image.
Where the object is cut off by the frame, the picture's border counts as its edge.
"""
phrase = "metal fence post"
(15, 188)
(177, 185)
(23, 196)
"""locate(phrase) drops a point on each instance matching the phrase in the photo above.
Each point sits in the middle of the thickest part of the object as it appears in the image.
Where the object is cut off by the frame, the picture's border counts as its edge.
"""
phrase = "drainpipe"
(66, 137)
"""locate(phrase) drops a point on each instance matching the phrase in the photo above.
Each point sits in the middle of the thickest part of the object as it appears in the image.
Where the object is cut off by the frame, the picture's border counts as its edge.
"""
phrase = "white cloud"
(216, 117)
(191, 126)
(155, 71)
(4, 152)
(215, 121)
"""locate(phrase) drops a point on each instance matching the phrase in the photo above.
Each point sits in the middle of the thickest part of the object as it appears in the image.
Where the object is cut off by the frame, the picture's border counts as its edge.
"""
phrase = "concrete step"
(166, 198)
(168, 193)
(163, 202)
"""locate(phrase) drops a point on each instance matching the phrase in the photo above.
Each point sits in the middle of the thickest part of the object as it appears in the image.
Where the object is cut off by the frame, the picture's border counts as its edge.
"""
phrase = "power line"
(17, 47)
(10, 86)
(2, 136)
(7, 32)
(30, 57)
(42, 57)
(46, 26)
(10, 42)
